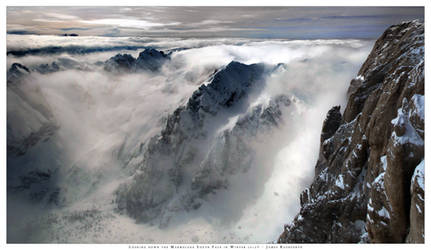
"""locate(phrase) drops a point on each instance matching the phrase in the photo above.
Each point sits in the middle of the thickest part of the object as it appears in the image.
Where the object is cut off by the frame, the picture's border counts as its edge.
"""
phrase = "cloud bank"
(104, 120)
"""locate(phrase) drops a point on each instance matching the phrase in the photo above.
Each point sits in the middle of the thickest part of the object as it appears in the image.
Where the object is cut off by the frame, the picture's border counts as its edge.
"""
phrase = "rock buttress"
(369, 177)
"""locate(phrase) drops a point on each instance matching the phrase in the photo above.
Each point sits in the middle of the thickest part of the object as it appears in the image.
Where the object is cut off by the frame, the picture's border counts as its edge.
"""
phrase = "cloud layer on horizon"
(250, 22)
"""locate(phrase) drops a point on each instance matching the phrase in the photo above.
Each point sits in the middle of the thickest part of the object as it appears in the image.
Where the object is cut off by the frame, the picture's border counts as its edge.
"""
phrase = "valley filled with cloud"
(115, 137)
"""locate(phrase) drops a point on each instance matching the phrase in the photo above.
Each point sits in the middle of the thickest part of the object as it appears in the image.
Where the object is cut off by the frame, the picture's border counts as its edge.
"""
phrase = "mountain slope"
(201, 145)
(368, 184)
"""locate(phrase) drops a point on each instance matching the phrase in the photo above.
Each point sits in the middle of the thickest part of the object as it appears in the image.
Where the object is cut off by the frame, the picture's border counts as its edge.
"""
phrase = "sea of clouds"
(103, 117)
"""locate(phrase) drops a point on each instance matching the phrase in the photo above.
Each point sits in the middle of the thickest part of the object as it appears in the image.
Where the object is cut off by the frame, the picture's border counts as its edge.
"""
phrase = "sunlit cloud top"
(250, 22)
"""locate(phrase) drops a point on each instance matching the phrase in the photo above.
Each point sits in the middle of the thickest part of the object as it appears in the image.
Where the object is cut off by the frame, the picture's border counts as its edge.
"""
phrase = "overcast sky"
(251, 22)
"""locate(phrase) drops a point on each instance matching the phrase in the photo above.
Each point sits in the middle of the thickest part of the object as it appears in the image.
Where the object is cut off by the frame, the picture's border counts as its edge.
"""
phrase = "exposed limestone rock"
(366, 188)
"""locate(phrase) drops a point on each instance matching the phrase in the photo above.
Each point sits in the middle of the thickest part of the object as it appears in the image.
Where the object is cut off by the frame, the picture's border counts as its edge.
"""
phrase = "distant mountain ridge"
(150, 59)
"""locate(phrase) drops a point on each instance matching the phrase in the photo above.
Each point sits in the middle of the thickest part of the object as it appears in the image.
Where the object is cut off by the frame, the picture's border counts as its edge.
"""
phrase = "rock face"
(196, 152)
(369, 178)
(120, 63)
(148, 60)
(16, 72)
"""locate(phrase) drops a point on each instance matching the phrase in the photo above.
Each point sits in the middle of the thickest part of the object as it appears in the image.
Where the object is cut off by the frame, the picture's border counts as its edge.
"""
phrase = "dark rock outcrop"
(331, 123)
(120, 63)
(368, 184)
(148, 60)
(16, 72)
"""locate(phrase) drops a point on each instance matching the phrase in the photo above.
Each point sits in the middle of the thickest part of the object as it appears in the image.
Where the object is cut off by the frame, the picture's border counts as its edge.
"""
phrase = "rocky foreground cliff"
(369, 177)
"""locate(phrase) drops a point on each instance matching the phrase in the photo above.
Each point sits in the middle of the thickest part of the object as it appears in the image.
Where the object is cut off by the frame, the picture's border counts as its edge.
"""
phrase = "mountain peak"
(148, 60)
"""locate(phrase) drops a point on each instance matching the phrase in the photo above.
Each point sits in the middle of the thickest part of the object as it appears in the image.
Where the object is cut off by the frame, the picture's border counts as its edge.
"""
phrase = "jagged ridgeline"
(369, 177)
(202, 144)
(149, 59)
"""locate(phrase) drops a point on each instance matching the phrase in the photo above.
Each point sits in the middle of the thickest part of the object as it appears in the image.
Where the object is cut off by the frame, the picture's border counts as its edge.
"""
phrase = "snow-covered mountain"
(202, 143)
(205, 143)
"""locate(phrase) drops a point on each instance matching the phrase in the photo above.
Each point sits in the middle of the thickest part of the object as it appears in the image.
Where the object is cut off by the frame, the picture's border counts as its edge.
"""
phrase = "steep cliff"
(369, 177)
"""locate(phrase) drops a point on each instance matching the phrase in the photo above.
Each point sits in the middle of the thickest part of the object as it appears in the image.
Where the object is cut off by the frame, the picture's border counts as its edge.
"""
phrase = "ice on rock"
(406, 132)
(383, 213)
(419, 106)
(384, 162)
(359, 77)
(339, 182)
(419, 175)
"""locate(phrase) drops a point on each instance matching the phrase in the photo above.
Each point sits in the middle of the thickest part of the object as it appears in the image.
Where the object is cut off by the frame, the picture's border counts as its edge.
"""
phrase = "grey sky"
(255, 22)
